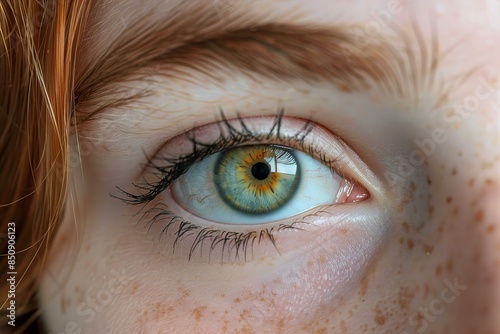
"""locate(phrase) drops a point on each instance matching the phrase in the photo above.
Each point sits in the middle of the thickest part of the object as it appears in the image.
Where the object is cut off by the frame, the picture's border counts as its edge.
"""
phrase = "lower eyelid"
(309, 230)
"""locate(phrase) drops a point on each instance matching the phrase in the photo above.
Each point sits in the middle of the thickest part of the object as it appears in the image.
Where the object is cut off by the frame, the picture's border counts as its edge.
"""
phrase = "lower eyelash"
(237, 246)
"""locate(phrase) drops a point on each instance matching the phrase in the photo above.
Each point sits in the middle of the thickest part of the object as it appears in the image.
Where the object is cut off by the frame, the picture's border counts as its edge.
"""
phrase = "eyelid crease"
(224, 125)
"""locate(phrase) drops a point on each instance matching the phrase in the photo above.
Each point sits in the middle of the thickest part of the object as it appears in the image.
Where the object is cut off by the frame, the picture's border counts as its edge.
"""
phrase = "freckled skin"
(433, 268)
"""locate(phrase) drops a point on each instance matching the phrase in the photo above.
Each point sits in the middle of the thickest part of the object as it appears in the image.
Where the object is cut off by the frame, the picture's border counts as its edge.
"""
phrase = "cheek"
(122, 280)
(447, 268)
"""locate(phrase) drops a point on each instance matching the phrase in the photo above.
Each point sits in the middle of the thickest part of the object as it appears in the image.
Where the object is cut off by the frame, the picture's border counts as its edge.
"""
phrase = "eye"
(256, 184)
(233, 184)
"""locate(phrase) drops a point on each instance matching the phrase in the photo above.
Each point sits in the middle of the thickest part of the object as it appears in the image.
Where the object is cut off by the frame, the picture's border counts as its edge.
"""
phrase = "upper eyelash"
(177, 166)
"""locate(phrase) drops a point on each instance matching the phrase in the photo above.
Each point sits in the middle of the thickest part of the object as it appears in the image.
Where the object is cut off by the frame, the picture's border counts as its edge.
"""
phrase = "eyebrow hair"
(197, 39)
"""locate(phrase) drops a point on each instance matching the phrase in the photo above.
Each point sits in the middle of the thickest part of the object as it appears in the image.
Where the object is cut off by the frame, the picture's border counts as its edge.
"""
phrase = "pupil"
(260, 170)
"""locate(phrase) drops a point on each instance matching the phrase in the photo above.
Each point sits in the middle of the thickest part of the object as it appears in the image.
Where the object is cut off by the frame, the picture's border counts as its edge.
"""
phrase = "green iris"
(257, 179)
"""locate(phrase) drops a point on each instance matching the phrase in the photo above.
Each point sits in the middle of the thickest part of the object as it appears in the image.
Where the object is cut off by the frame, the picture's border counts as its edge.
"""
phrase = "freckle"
(471, 182)
(438, 270)
(281, 324)
(343, 327)
(405, 296)
(491, 228)
(484, 311)
(198, 312)
(380, 318)
(406, 227)
(401, 240)
(410, 244)
(449, 199)
(429, 181)
(244, 314)
(65, 302)
(419, 228)
(185, 293)
(143, 318)
(159, 311)
(479, 217)
(488, 182)
(237, 300)
(449, 265)
(134, 288)
(419, 319)
(428, 249)
(440, 228)
(455, 212)
(430, 210)
(454, 171)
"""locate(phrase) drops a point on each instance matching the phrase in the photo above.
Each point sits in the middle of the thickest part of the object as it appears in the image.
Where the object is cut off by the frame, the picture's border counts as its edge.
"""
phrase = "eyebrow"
(197, 39)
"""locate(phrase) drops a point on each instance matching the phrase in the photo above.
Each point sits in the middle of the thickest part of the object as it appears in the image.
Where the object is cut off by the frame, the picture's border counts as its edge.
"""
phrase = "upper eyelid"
(231, 136)
(298, 139)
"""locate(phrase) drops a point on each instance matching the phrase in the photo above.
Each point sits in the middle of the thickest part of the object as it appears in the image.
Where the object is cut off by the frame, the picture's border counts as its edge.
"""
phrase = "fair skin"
(419, 255)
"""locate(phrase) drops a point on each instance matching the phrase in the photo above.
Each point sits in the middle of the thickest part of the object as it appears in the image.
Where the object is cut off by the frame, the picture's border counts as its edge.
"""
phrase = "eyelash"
(175, 167)
(230, 240)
